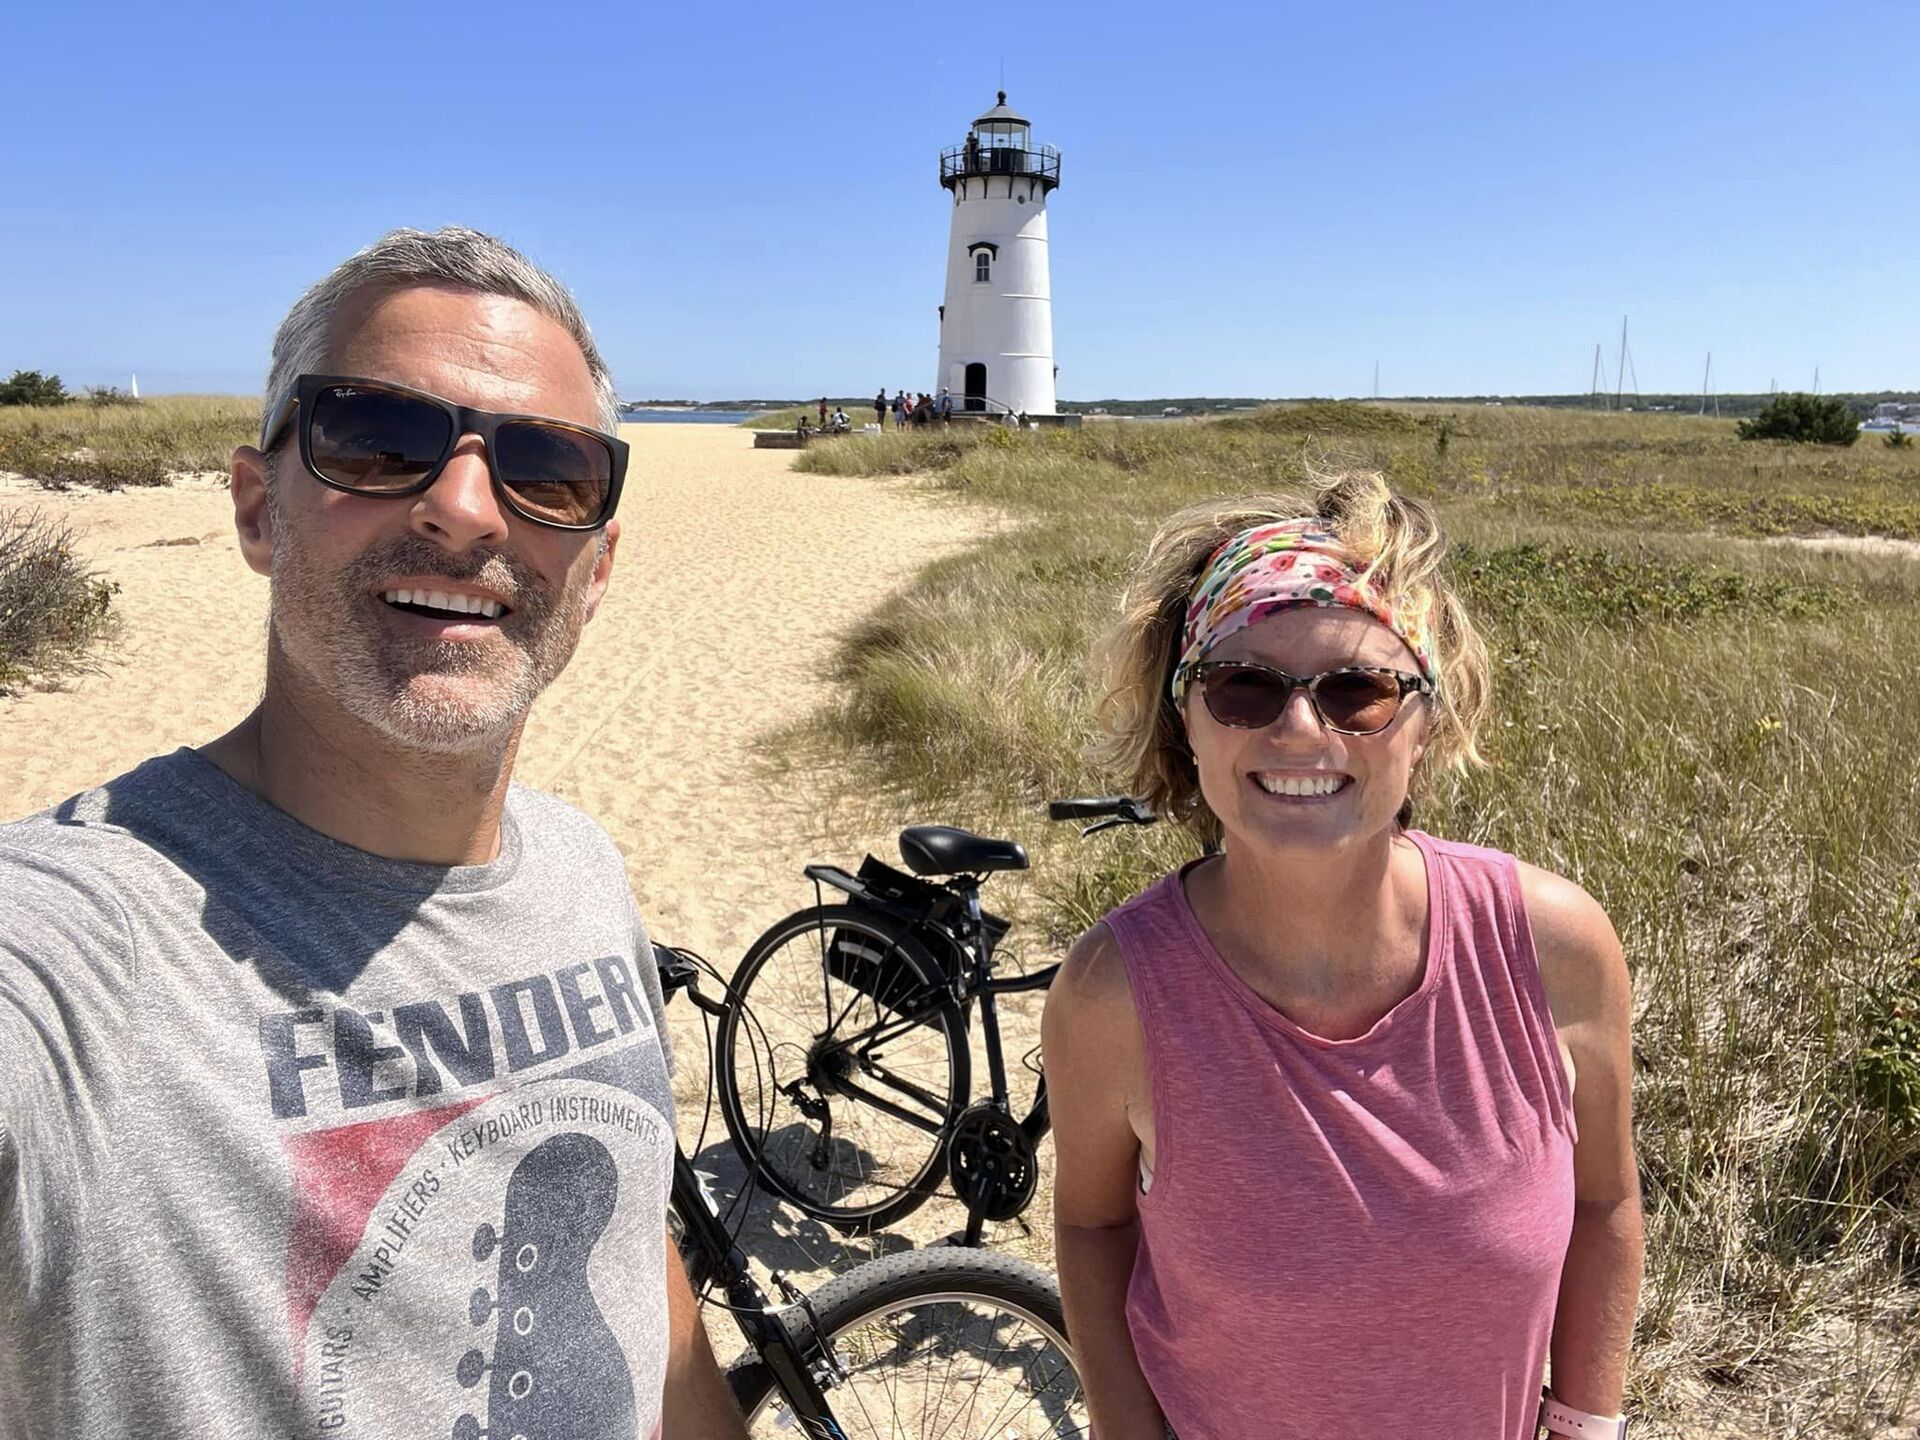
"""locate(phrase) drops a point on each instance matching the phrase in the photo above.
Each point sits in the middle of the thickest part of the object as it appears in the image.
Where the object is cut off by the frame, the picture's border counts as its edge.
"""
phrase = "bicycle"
(846, 1083)
(957, 1343)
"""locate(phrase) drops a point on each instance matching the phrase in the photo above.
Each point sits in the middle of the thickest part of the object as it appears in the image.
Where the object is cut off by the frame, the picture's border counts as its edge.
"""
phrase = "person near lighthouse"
(1342, 1108)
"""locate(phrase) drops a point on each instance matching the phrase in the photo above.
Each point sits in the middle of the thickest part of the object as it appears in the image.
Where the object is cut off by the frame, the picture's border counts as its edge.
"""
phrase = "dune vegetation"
(109, 447)
(53, 608)
(1702, 651)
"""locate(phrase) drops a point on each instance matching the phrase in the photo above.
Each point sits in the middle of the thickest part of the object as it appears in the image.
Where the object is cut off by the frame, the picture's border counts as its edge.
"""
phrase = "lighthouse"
(996, 328)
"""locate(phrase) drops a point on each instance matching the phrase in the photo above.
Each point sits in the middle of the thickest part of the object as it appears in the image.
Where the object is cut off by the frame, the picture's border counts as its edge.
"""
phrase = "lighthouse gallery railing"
(962, 161)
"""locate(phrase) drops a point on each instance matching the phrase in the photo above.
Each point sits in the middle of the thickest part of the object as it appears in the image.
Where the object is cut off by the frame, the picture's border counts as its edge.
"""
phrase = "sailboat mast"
(1620, 375)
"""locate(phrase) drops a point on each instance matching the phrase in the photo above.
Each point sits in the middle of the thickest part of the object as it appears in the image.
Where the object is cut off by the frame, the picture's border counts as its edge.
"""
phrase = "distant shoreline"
(1731, 405)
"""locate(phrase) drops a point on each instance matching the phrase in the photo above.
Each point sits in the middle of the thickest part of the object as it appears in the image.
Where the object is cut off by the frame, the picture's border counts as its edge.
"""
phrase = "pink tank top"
(1350, 1239)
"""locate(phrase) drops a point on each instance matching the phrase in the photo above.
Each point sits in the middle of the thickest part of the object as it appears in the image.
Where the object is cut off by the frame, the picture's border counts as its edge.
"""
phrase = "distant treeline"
(1736, 406)
(845, 402)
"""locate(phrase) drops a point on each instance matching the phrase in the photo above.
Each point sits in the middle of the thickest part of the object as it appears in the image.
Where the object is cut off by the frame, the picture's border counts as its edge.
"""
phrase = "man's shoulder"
(551, 827)
(96, 833)
(69, 874)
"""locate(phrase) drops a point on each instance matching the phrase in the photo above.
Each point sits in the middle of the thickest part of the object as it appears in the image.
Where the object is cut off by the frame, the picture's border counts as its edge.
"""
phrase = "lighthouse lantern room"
(996, 328)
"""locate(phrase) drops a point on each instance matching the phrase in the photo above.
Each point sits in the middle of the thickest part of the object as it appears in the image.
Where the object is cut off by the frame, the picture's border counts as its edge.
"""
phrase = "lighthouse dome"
(1001, 114)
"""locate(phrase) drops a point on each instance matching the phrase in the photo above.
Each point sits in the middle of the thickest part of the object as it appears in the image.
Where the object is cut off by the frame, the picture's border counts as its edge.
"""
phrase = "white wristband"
(1563, 1419)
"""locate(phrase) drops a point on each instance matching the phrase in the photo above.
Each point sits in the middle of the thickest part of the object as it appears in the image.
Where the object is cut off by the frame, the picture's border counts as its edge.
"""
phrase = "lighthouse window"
(982, 267)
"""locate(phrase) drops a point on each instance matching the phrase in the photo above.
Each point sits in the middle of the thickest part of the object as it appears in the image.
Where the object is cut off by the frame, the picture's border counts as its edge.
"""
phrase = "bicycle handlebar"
(1121, 809)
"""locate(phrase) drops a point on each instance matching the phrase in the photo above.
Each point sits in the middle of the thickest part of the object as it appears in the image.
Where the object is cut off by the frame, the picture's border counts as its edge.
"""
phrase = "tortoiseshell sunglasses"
(373, 437)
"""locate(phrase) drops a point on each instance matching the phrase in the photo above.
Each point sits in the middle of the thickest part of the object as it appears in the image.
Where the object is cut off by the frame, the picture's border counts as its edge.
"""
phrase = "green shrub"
(1519, 584)
(30, 387)
(1889, 1065)
(1804, 420)
(1899, 440)
(52, 608)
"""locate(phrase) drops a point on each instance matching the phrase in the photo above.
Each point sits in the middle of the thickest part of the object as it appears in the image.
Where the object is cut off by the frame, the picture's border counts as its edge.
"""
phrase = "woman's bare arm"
(1588, 990)
(1096, 1067)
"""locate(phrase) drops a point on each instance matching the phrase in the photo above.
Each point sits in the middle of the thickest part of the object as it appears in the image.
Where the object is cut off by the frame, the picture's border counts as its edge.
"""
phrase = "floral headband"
(1276, 566)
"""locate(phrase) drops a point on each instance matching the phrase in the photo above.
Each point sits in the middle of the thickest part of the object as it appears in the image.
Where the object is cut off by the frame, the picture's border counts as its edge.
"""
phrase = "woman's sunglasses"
(372, 437)
(1356, 700)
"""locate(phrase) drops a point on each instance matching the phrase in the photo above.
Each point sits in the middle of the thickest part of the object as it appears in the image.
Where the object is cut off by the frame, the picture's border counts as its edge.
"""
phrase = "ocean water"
(684, 417)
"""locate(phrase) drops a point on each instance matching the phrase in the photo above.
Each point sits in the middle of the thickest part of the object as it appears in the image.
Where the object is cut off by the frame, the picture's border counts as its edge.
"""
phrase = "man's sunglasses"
(1356, 700)
(373, 437)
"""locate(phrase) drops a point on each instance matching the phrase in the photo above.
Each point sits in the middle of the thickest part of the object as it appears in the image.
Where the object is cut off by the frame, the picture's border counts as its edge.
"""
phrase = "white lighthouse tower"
(996, 329)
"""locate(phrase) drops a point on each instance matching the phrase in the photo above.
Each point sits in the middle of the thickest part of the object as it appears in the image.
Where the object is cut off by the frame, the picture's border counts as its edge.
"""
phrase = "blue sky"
(1256, 199)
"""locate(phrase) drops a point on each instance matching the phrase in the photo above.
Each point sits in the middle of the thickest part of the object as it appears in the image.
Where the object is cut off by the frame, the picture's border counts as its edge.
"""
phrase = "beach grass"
(109, 447)
(1704, 721)
(787, 419)
(860, 412)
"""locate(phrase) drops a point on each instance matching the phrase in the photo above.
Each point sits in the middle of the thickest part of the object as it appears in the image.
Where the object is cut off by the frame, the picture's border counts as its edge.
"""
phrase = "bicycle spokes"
(955, 1367)
(846, 1080)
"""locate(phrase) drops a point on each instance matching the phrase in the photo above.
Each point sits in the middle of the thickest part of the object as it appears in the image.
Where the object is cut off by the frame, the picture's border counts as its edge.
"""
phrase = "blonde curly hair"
(1394, 541)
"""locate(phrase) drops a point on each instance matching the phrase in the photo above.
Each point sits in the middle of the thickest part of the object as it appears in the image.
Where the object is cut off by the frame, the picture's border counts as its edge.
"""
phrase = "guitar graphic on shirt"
(557, 1369)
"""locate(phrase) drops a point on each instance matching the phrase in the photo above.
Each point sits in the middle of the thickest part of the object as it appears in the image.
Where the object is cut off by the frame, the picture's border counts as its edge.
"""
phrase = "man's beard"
(435, 695)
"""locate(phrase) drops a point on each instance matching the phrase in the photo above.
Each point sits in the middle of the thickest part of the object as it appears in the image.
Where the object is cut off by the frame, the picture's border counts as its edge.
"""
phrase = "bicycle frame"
(799, 1374)
(932, 920)
(973, 978)
(983, 984)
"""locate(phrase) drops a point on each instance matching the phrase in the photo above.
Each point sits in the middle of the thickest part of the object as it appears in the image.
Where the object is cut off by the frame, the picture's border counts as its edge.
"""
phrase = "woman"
(1341, 1109)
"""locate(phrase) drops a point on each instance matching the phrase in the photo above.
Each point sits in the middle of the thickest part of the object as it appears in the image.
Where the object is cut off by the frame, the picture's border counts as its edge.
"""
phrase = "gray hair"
(454, 256)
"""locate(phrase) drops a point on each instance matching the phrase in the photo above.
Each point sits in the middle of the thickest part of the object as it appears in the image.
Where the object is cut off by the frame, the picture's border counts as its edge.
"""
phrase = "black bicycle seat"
(943, 850)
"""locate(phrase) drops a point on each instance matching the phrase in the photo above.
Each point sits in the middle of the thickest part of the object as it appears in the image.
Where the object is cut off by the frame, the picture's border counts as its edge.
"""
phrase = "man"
(333, 1090)
(880, 408)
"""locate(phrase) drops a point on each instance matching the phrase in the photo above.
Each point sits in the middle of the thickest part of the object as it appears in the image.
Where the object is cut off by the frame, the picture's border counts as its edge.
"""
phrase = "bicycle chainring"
(991, 1162)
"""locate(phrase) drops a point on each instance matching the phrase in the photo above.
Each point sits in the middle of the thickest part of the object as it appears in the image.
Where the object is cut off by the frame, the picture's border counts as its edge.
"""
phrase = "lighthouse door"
(976, 383)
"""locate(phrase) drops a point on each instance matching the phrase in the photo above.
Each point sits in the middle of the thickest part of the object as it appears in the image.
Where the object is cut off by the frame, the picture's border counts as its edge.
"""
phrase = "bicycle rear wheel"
(841, 1062)
(963, 1344)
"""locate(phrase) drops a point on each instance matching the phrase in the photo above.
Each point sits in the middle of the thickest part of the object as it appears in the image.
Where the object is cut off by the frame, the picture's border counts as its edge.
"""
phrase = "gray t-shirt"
(295, 1140)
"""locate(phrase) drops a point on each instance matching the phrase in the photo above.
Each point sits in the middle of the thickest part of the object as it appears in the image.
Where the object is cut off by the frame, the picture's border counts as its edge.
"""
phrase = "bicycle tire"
(919, 971)
(929, 1277)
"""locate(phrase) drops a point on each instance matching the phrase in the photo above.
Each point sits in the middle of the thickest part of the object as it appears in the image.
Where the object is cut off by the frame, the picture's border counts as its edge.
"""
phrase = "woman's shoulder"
(1091, 1020)
(1097, 967)
(1462, 851)
(1549, 898)
(1561, 912)
(1573, 939)
(1094, 972)
(1582, 965)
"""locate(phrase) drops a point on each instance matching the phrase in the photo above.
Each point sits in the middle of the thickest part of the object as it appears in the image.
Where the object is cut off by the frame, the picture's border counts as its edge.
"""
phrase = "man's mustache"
(513, 580)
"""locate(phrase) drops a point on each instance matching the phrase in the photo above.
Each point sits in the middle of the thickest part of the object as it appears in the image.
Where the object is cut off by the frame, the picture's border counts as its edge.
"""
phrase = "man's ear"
(252, 517)
(608, 542)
